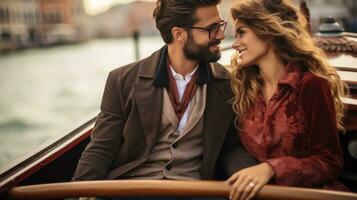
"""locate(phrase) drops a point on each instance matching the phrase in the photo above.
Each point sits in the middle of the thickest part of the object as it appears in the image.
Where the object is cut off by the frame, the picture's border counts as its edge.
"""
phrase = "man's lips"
(215, 44)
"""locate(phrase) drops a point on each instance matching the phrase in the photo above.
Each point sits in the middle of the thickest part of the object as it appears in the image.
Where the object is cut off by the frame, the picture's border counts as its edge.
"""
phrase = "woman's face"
(251, 48)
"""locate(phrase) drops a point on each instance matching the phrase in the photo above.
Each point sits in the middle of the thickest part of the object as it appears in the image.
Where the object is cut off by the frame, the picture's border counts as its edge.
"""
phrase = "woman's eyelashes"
(240, 33)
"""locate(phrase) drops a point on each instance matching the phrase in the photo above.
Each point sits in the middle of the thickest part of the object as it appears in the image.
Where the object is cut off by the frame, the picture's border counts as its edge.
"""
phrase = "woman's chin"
(244, 64)
(247, 63)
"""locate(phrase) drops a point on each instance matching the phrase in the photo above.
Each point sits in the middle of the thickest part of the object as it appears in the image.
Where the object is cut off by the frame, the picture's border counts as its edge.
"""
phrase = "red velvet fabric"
(296, 132)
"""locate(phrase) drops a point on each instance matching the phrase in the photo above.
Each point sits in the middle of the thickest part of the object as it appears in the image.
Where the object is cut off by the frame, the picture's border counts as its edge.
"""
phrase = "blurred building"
(26, 23)
(63, 21)
(351, 25)
(19, 21)
(342, 10)
(123, 19)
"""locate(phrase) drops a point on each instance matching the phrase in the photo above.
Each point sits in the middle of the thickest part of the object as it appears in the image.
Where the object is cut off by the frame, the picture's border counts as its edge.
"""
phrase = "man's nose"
(220, 34)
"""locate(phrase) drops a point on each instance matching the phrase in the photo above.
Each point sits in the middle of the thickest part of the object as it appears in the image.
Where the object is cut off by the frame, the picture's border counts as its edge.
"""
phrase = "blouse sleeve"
(325, 161)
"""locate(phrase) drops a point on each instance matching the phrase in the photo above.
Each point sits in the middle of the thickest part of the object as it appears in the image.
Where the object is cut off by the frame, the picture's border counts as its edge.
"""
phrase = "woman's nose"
(235, 44)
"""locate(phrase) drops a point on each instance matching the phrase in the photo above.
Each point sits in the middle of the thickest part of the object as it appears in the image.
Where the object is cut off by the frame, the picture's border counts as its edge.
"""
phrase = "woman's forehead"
(238, 23)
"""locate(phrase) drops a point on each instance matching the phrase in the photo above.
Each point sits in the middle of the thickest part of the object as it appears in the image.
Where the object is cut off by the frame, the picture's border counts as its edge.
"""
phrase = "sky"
(94, 7)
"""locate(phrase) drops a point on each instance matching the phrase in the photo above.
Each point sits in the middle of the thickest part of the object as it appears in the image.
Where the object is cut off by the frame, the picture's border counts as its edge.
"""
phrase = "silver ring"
(251, 184)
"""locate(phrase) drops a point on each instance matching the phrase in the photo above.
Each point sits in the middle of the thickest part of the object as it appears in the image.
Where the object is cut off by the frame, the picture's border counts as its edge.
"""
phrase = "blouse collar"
(291, 75)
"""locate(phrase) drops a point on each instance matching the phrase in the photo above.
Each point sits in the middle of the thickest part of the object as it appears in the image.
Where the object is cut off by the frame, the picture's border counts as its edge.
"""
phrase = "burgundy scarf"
(180, 106)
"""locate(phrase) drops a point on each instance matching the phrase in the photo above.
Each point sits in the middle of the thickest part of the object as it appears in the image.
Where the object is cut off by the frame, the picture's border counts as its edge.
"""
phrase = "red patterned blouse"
(296, 132)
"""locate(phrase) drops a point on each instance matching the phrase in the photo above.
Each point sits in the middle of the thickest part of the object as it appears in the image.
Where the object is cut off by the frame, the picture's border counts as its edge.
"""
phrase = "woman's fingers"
(247, 182)
(240, 189)
(234, 187)
(255, 190)
(248, 190)
(233, 178)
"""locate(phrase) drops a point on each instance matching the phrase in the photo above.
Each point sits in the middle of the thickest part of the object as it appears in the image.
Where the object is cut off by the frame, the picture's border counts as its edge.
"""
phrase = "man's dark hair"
(177, 13)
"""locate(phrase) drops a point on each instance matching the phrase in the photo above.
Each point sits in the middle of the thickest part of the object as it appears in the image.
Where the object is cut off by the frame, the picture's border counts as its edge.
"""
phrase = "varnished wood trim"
(165, 188)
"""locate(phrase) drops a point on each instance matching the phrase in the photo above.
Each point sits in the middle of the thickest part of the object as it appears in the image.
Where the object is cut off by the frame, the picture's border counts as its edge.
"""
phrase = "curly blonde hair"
(285, 26)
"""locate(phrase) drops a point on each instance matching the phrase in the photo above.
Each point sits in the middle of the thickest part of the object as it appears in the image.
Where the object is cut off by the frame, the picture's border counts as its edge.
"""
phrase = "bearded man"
(168, 116)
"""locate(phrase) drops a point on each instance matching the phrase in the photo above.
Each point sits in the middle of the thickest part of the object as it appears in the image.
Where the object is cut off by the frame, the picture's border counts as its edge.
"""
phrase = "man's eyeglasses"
(213, 30)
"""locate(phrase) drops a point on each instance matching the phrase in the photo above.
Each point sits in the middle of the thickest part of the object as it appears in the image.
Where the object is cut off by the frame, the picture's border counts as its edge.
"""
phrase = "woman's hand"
(247, 182)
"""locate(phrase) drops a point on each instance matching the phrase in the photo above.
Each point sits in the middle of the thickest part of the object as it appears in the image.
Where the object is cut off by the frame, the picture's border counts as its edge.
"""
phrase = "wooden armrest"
(165, 188)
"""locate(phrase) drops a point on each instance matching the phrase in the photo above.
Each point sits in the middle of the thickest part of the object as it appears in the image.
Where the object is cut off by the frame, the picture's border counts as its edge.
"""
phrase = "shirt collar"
(291, 75)
(178, 76)
(162, 79)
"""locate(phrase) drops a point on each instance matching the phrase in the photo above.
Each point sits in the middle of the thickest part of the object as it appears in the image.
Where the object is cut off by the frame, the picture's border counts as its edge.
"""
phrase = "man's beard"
(194, 51)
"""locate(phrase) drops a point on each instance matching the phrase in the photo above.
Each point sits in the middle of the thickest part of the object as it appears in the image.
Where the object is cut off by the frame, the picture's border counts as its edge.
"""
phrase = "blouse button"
(168, 167)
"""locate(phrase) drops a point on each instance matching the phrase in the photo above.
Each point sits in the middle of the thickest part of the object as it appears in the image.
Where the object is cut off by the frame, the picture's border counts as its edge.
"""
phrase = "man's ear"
(179, 34)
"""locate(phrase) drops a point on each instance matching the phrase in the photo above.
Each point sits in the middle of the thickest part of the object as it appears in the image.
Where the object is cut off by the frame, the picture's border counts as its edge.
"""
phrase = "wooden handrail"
(165, 188)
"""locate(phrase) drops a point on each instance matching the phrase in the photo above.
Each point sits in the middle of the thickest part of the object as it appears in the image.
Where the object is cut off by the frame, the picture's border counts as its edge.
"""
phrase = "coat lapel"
(168, 110)
(149, 98)
(149, 103)
(217, 119)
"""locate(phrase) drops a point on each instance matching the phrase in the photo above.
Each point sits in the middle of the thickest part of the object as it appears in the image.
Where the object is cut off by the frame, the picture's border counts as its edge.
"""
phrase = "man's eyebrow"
(215, 23)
